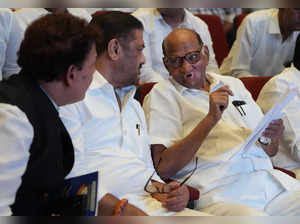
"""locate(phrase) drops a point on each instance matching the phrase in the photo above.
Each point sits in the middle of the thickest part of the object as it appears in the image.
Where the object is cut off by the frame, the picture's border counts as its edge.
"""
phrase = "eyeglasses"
(192, 58)
(150, 188)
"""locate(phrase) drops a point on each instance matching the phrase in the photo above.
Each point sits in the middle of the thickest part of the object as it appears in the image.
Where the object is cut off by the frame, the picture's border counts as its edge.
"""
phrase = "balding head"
(180, 37)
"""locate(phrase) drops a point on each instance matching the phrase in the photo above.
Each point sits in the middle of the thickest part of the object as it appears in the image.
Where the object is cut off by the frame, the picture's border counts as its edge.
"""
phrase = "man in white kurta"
(10, 39)
(17, 135)
(108, 128)
(288, 156)
(260, 48)
(156, 29)
(226, 172)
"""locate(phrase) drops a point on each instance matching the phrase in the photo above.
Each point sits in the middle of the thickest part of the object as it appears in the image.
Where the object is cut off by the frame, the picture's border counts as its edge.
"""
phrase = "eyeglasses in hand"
(151, 189)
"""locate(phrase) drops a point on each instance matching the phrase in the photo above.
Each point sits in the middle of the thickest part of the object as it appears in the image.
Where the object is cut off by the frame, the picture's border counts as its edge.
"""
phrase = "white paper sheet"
(275, 113)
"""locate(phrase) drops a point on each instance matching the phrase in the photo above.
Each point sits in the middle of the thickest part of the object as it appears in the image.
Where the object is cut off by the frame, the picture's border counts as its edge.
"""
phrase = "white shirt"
(258, 49)
(155, 30)
(225, 14)
(224, 173)
(16, 137)
(289, 152)
(26, 16)
(10, 39)
(112, 142)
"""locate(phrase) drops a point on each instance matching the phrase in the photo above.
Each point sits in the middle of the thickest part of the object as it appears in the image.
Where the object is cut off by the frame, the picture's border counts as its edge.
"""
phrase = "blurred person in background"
(26, 16)
(10, 39)
(226, 15)
(265, 43)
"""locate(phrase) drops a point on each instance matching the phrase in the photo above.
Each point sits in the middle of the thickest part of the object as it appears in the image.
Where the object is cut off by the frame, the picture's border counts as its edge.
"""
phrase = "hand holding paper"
(274, 114)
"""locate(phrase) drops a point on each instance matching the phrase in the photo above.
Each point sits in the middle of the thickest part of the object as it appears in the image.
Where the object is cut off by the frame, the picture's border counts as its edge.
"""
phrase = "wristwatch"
(264, 140)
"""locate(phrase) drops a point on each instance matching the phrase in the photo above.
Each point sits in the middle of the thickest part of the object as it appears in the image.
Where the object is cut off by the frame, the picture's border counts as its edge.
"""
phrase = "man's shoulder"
(228, 80)
(261, 16)
(26, 15)
(80, 12)
(163, 90)
(289, 76)
(144, 13)
(5, 13)
(164, 86)
(30, 12)
(14, 88)
(194, 19)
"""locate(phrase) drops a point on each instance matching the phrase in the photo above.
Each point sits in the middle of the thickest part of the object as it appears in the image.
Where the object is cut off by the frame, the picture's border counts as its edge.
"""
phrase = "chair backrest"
(255, 84)
(218, 36)
(99, 12)
(238, 20)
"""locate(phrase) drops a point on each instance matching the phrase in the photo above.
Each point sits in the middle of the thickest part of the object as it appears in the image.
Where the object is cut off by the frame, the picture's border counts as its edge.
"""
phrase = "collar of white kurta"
(274, 23)
(100, 82)
(52, 101)
(182, 89)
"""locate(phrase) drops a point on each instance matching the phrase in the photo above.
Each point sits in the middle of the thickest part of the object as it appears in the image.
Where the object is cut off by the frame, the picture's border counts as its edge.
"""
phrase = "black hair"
(114, 24)
(52, 44)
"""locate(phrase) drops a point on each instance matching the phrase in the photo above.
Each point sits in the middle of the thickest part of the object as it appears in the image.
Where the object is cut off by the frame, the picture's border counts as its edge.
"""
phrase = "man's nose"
(186, 66)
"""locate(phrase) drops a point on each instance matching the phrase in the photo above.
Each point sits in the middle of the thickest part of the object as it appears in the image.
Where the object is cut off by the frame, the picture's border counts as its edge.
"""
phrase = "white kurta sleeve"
(16, 137)
(238, 62)
(10, 39)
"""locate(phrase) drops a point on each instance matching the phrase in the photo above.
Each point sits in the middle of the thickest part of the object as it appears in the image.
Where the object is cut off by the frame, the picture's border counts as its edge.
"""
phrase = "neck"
(53, 90)
(206, 85)
(107, 70)
(173, 20)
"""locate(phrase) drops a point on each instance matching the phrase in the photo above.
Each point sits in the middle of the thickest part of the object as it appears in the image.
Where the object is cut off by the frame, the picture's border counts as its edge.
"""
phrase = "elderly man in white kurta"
(109, 130)
(158, 24)
(10, 40)
(264, 45)
(190, 116)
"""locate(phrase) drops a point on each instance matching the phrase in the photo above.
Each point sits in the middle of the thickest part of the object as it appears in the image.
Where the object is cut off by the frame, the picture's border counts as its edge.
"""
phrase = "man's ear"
(166, 64)
(70, 77)
(113, 49)
(206, 53)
